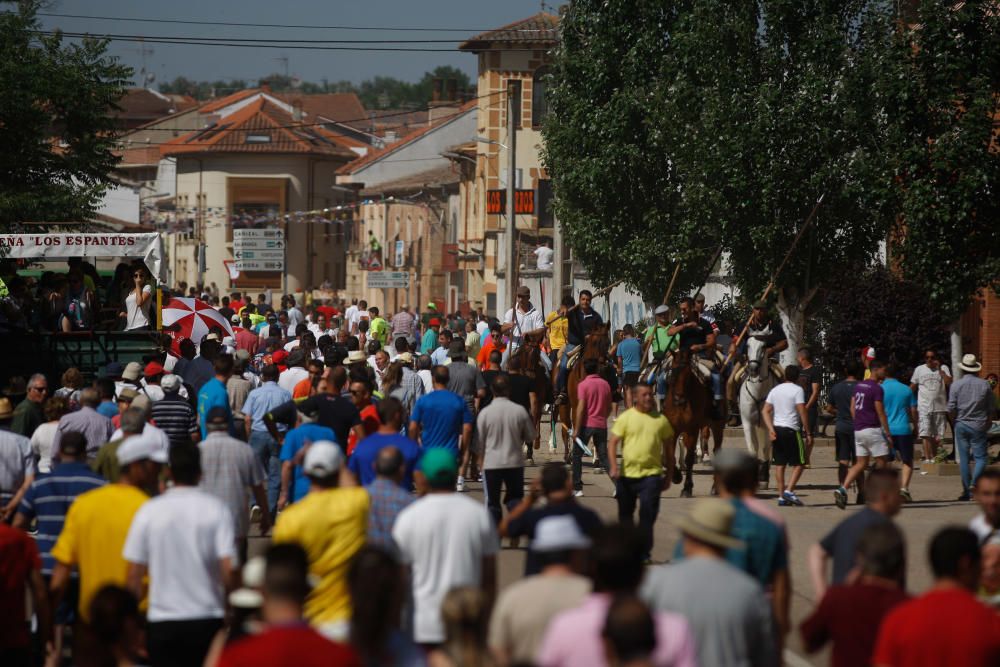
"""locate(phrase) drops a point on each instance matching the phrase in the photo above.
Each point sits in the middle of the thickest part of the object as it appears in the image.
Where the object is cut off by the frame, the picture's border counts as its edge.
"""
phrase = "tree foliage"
(57, 138)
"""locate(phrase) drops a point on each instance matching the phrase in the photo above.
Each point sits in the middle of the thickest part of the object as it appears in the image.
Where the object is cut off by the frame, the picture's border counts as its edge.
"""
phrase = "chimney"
(265, 86)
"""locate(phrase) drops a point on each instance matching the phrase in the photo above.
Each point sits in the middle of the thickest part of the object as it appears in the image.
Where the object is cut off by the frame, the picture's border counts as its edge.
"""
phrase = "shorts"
(870, 442)
(903, 444)
(788, 449)
(845, 445)
(630, 379)
(931, 424)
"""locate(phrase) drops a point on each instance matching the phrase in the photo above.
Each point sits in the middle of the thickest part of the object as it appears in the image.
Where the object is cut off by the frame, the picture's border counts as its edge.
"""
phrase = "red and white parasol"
(185, 317)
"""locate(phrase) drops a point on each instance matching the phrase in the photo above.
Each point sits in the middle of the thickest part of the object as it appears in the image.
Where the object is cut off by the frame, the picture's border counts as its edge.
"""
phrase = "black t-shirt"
(696, 336)
(524, 526)
(771, 331)
(808, 377)
(521, 387)
(841, 396)
(334, 412)
(489, 377)
(227, 313)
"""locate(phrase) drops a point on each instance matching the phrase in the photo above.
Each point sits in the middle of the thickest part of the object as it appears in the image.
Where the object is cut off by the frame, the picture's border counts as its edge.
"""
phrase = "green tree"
(57, 140)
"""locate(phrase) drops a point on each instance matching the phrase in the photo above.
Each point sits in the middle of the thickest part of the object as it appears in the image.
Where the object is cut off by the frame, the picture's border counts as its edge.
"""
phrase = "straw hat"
(710, 522)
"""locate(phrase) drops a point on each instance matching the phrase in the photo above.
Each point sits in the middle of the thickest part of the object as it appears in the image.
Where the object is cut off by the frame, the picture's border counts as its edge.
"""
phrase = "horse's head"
(755, 355)
(597, 342)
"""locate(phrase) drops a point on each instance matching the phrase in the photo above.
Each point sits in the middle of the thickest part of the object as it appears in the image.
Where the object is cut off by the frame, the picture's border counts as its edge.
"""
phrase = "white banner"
(53, 246)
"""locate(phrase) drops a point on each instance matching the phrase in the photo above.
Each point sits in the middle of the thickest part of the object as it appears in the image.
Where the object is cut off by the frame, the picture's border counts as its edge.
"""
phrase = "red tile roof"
(540, 30)
(339, 107)
(261, 127)
(222, 102)
(142, 104)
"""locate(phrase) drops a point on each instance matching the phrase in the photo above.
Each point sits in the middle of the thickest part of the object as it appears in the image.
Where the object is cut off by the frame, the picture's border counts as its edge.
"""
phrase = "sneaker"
(965, 497)
(782, 502)
(614, 492)
(460, 484)
(255, 513)
(905, 495)
(840, 497)
(598, 470)
(578, 493)
(792, 498)
(479, 477)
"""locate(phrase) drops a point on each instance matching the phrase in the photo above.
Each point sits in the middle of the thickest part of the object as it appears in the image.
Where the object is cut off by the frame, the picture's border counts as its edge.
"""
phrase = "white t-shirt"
(428, 379)
(136, 317)
(41, 444)
(784, 398)
(529, 321)
(181, 536)
(931, 393)
(349, 316)
(544, 255)
(148, 429)
(156, 393)
(444, 557)
(291, 377)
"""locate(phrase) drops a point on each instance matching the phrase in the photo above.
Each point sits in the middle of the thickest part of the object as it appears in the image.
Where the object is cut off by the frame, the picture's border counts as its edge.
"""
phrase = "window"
(543, 205)
(258, 138)
(539, 107)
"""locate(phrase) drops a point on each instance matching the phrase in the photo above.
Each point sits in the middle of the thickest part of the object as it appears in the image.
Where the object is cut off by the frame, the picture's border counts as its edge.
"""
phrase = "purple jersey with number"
(865, 395)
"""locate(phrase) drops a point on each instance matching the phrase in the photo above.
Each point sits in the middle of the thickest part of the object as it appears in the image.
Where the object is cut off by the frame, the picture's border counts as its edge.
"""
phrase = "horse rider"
(523, 322)
(661, 343)
(698, 337)
(707, 315)
(762, 326)
(581, 319)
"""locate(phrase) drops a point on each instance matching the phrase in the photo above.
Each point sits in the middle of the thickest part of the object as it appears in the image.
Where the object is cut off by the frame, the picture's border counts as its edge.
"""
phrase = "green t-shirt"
(663, 342)
(379, 328)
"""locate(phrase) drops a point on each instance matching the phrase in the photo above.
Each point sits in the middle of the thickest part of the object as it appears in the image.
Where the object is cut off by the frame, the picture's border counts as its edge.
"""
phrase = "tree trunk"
(792, 312)
(955, 339)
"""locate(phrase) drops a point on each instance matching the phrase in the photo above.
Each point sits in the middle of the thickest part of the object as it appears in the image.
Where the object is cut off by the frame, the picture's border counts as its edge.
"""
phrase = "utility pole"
(512, 100)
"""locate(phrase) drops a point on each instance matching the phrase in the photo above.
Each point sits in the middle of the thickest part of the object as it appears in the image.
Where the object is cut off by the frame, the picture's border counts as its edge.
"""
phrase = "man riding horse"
(522, 323)
(581, 320)
(762, 327)
(659, 343)
(697, 336)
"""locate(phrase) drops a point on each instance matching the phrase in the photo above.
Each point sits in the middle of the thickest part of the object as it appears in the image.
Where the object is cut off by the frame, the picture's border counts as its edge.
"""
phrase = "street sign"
(258, 244)
(259, 254)
(258, 234)
(259, 249)
(388, 279)
(524, 202)
(259, 265)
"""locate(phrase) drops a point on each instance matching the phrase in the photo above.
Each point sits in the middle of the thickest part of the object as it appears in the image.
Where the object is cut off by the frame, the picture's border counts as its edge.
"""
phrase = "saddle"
(573, 356)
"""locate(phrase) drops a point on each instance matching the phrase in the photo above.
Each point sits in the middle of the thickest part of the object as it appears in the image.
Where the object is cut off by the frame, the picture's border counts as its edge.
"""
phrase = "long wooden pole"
(774, 276)
(670, 287)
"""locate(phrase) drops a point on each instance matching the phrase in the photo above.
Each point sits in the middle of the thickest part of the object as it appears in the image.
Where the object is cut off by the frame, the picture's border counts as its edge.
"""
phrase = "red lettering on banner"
(11, 241)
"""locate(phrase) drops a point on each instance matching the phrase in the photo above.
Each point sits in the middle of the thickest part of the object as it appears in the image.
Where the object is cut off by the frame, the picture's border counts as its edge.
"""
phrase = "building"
(255, 164)
(142, 105)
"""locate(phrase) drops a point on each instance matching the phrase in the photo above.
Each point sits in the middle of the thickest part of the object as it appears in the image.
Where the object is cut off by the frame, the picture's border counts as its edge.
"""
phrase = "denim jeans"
(969, 439)
(267, 450)
(599, 436)
(646, 491)
(563, 371)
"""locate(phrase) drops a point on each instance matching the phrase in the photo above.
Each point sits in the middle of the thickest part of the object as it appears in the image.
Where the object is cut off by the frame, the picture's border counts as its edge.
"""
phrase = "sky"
(167, 61)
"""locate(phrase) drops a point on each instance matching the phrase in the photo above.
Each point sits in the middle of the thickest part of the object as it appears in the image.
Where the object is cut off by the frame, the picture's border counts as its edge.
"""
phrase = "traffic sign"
(260, 265)
(259, 254)
(388, 279)
(258, 234)
(258, 244)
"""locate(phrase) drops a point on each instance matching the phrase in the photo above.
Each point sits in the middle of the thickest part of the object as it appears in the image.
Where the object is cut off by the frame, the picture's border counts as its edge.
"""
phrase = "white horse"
(753, 390)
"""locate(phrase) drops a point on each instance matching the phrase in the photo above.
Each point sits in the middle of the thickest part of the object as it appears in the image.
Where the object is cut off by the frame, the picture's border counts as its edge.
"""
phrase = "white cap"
(133, 371)
(323, 458)
(871, 353)
(140, 447)
(170, 383)
(559, 533)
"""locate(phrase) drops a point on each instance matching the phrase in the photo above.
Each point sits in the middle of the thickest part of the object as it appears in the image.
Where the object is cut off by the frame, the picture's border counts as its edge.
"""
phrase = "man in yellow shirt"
(647, 461)
(98, 521)
(331, 524)
(558, 326)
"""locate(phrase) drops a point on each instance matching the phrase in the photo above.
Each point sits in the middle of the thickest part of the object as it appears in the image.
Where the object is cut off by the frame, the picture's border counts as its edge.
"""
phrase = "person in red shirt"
(947, 625)
(850, 615)
(361, 394)
(306, 387)
(22, 568)
(493, 342)
(287, 641)
(591, 420)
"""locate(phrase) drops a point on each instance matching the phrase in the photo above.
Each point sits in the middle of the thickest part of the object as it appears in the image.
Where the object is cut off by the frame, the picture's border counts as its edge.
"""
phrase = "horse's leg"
(690, 438)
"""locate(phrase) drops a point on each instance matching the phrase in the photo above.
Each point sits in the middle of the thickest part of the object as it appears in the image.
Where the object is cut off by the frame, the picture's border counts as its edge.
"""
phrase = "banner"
(149, 247)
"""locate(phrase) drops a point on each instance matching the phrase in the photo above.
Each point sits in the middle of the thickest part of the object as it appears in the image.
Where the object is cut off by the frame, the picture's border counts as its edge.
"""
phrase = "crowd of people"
(337, 442)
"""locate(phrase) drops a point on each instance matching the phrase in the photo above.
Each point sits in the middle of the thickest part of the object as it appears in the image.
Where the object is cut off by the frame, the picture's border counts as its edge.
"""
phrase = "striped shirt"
(48, 499)
(175, 417)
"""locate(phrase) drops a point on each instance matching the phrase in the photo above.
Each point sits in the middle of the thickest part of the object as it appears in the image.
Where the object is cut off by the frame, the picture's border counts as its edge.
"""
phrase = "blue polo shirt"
(48, 499)
(213, 395)
(362, 461)
(897, 399)
(295, 440)
(441, 415)
(630, 352)
(262, 400)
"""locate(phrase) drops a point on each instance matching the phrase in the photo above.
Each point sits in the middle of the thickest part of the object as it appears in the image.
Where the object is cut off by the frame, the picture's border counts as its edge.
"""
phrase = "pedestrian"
(430, 338)
(331, 407)
(213, 393)
(522, 322)
(43, 437)
(260, 401)
(785, 416)
(231, 471)
(502, 429)
(442, 419)
(439, 356)
(839, 404)
(523, 390)
(378, 588)
(811, 381)
(285, 640)
(524, 609)
(628, 359)
(946, 625)
(573, 637)
(647, 466)
(871, 428)
(729, 616)
(840, 544)
(296, 371)
(238, 388)
(22, 580)
(464, 378)
(361, 388)
(971, 404)
(363, 459)
(117, 629)
(106, 463)
(557, 325)
(593, 406)
(472, 344)
(629, 633)
(28, 415)
(901, 412)
(87, 420)
(330, 523)
(849, 615)
(200, 369)
(930, 382)
(17, 464)
(183, 539)
(387, 497)
(174, 415)
(294, 484)
(72, 383)
(97, 523)
(987, 523)
(447, 540)
(402, 324)
(106, 388)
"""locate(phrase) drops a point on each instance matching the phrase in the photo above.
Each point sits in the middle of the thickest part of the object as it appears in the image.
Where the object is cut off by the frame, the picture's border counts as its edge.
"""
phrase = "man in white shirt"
(784, 414)
(295, 317)
(930, 381)
(296, 371)
(544, 254)
(447, 539)
(521, 322)
(350, 314)
(184, 540)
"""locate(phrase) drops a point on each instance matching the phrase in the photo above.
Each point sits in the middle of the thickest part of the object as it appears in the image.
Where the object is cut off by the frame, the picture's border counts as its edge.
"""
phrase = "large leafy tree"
(56, 131)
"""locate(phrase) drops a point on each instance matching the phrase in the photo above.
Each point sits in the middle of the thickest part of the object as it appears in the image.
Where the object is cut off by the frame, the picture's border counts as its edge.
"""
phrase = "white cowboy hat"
(969, 364)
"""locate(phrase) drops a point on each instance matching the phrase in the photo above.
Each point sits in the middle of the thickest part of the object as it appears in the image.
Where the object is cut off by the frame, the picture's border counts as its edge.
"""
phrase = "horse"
(688, 408)
(595, 346)
(757, 382)
(529, 358)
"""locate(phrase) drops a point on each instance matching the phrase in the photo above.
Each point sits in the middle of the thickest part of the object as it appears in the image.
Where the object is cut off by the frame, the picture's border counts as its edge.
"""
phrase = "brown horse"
(688, 407)
(595, 346)
(529, 360)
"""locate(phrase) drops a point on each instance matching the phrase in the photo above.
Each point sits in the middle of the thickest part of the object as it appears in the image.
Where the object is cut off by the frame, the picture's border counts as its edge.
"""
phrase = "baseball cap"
(870, 352)
(439, 466)
(153, 368)
(113, 370)
(142, 401)
(432, 305)
(322, 459)
(170, 383)
(235, 319)
(140, 447)
(435, 322)
(662, 309)
(133, 371)
(559, 533)
(127, 394)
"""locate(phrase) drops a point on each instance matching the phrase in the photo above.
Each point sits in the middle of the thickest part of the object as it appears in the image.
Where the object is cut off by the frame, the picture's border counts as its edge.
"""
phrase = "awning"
(53, 246)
